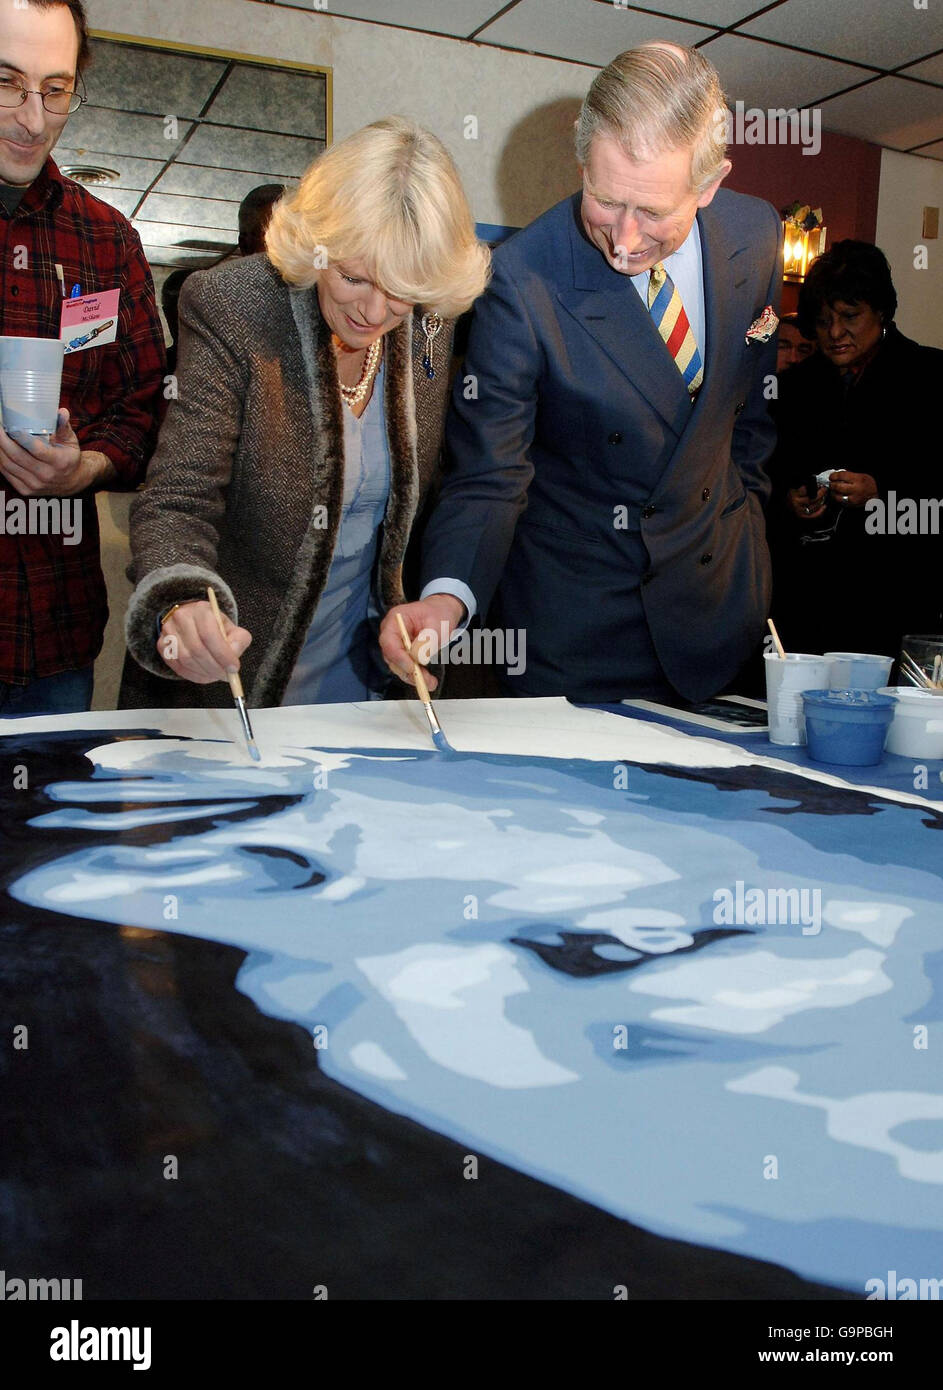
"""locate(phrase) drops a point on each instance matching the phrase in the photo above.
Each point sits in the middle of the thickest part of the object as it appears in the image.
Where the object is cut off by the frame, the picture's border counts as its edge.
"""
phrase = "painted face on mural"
(527, 954)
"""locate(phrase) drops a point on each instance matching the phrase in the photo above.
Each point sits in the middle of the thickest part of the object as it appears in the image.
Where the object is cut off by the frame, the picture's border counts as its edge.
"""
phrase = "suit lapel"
(608, 306)
(715, 253)
(726, 266)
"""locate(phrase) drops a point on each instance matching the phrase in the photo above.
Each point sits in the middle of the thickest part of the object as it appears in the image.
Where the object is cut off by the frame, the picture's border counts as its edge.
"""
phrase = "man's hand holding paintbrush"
(436, 615)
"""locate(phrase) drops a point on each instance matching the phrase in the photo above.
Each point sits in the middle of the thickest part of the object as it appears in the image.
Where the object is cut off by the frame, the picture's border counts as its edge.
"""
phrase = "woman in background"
(312, 391)
(864, 408)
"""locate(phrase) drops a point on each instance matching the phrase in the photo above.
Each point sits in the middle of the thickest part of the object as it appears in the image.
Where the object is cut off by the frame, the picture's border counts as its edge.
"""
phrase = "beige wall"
(908, 184)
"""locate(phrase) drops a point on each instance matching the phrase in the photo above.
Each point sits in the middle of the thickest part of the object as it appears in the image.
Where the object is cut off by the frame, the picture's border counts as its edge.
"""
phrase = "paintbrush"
(235, 684)
(438, 737)
(780, 649)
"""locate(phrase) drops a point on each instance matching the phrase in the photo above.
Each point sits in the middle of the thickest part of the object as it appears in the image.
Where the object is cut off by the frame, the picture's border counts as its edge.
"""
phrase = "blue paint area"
(686, 995)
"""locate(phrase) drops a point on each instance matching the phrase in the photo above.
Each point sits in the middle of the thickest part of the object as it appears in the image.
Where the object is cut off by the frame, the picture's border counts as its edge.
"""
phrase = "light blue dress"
(340, 660)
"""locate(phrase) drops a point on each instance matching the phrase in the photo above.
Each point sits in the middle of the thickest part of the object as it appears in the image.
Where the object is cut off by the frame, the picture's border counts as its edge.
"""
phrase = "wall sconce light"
(804, 234)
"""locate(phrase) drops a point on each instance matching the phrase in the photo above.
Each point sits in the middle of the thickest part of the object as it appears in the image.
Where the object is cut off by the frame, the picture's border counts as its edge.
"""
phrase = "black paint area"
(583, 955)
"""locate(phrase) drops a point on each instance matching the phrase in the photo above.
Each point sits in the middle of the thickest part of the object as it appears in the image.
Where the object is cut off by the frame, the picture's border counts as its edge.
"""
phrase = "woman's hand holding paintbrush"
(199, 651)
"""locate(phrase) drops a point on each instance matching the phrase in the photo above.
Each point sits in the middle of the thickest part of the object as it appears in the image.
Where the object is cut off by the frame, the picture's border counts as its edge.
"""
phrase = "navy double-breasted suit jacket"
(618, 525)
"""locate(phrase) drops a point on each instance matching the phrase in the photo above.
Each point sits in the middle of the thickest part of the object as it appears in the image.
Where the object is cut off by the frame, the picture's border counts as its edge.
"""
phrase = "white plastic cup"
(857, 670)
(30, 385)
(785, 682)
(917, 728)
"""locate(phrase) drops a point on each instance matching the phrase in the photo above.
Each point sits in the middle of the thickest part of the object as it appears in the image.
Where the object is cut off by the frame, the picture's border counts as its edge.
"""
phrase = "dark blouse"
(869, 581)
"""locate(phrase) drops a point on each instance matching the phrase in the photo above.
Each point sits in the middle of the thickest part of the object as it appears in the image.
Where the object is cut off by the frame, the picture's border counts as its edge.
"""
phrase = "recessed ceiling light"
(90, 173)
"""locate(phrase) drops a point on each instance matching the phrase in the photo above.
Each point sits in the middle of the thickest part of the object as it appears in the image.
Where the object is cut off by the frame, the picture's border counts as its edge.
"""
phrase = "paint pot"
(917, 727)
(847, 726)
(857, 670)
(785, 681)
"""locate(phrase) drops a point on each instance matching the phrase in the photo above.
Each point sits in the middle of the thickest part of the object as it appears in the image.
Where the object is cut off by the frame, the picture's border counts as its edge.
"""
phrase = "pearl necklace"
(353, 395)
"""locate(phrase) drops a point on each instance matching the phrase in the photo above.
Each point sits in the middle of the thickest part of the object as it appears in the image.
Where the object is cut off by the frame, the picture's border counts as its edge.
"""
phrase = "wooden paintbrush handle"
(417, 669)
(235, 684)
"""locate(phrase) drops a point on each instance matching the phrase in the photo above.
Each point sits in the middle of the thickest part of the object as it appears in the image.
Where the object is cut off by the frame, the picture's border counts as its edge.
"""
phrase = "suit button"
(648, 511)
(705, 495)
(707, 557)
(615, 437)
(739, 406)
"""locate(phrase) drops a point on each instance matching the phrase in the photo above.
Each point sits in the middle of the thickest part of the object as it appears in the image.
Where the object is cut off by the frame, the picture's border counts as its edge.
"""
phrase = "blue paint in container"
(847, 726)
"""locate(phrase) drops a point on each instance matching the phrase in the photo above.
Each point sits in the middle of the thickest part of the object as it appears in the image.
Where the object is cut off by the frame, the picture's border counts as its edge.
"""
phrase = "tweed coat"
(244, 490)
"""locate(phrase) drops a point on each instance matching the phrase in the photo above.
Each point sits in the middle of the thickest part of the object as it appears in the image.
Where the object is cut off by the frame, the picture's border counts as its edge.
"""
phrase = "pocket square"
(763, 328)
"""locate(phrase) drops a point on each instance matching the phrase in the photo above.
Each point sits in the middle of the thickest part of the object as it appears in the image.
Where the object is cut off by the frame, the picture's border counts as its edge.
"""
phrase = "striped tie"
(666, 309)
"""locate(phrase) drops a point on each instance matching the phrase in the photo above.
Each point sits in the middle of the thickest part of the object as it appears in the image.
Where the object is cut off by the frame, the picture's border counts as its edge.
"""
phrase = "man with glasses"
(59, 245)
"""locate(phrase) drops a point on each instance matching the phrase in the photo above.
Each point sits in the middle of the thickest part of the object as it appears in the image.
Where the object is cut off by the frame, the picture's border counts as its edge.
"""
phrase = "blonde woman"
(312, 392)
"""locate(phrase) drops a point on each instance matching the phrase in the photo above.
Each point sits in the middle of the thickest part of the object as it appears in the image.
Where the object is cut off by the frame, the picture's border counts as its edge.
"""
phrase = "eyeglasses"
(56, 102)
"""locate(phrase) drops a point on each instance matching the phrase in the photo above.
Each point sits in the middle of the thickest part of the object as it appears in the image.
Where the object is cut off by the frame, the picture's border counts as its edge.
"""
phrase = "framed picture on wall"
(176, 136)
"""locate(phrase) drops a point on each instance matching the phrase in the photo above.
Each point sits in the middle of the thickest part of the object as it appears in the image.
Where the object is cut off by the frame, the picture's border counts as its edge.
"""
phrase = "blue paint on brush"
(441, 742)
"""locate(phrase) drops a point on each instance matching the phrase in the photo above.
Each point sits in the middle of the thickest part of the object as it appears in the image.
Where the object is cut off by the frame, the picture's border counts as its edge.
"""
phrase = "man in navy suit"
(609, 432)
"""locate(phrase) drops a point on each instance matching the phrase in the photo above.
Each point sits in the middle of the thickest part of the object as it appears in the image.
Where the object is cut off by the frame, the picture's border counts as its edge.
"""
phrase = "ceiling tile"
(121, 198)
(883, 32)
(136, 78)
(934, 151)
(759, 74)
(145, 136)
(174, 256)
(224, 147)
(459, 17)
(260, 99)
(716, 12)
(890, 112)
(196, 212)
(172, 233)
(135, 173)
(582, 30)
(931, 70)
(187, 179)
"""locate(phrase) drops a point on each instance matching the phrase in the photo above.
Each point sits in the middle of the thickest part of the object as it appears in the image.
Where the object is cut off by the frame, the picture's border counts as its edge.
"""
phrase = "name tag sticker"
(89, 321)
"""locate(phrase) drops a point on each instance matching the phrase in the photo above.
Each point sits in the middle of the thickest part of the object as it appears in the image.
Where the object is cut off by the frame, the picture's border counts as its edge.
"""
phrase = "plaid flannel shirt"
(53, 604)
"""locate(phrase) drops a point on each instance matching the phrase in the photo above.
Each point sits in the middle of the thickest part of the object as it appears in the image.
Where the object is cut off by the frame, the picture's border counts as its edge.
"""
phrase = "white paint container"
(917, 727)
